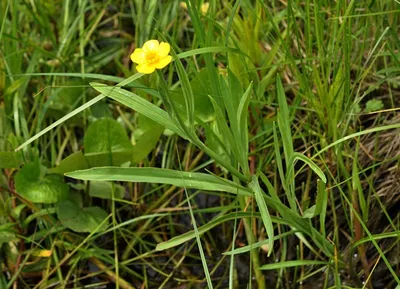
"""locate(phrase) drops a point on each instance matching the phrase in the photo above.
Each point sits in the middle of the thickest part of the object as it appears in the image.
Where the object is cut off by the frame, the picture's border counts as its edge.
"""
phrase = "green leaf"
(336, 94)
(374, 105)
(146, 138)
(310, 212)
(212, 49)
(64, 98)
(160, 176)
(284, 121)
(214, 140)
(104, 135)
(269, 186)
(139, 104)
(102, 159)
(265, 217)
(76, 161)
(186, 90)
(62, 120)
(226, 138)
(106, 143)
(81, 220)
(178, 240)
(32, 184)
(253, 246)
(14, 86)
(7, 236)
(76, 111)
(322, 197)
(357, 187)
(242, 129)
(242, 110)
(321, 205)
(295, 263)
(103, 190)
(395, 234)
(298, 156)
(3, 127)
(201, 90)
(9, 160)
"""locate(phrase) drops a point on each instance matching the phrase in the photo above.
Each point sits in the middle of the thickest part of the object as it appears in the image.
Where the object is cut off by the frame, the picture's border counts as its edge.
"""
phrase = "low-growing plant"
(254, 104)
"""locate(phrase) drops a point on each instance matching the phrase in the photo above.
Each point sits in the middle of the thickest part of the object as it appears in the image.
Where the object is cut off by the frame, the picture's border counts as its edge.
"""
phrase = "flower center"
(152, 57)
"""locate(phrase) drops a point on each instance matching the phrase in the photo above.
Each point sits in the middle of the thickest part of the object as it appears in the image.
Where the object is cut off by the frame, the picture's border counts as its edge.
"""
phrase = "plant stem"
(251, 239)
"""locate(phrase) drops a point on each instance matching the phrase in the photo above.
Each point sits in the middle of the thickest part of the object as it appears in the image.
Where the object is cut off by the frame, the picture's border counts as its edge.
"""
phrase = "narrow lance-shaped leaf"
(178, 240)
(294, 263)
(187, 91)
(141, 105)
(160, 176)
(172, 107)
(356, 186)
(298, 156)
(76, 111)
(265, 217)
(224, 130)
(259, 244)
(241, 115)
(322, 202)
(283, 121)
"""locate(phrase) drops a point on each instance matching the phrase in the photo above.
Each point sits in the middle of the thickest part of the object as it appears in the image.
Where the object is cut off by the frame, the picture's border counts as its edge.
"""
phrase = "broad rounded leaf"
(146, 137)
(374, 105)
(106, 143)
(10, 160)
(81, 220)
(103, 190)
(31, 184)
(201, 88)
(73, 162)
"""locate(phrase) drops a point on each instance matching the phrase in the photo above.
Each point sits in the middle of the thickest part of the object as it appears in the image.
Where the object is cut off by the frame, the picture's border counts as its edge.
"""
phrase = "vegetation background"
(265, 156)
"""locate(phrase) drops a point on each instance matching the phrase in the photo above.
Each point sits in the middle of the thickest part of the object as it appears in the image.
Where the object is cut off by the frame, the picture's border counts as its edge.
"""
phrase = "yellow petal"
(204, 8)
(43, 253)
(163, 49)
(145, 68)
(138, 56)
(163, 62)
(183, 5)
(151, 45)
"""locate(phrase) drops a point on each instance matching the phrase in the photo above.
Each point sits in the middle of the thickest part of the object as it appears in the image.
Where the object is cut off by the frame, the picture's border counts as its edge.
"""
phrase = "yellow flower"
(204, 7)
(42, 253)
(153, 55)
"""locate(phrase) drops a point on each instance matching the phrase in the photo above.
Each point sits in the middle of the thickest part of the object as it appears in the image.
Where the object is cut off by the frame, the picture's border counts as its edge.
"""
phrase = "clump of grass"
(266, 154)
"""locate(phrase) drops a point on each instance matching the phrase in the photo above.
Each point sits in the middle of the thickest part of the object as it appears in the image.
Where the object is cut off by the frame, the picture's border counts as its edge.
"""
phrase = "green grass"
(266, 155)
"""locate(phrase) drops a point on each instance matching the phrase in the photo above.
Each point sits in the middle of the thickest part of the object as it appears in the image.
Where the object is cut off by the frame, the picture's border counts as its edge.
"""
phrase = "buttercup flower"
(153, 55)
(204, 7)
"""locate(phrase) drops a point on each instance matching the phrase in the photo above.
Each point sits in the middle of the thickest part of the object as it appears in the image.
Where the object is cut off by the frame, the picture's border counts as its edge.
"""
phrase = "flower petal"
(163, 49)
(138, 56)
(163, 62)
(145, 68)
(151, 45)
